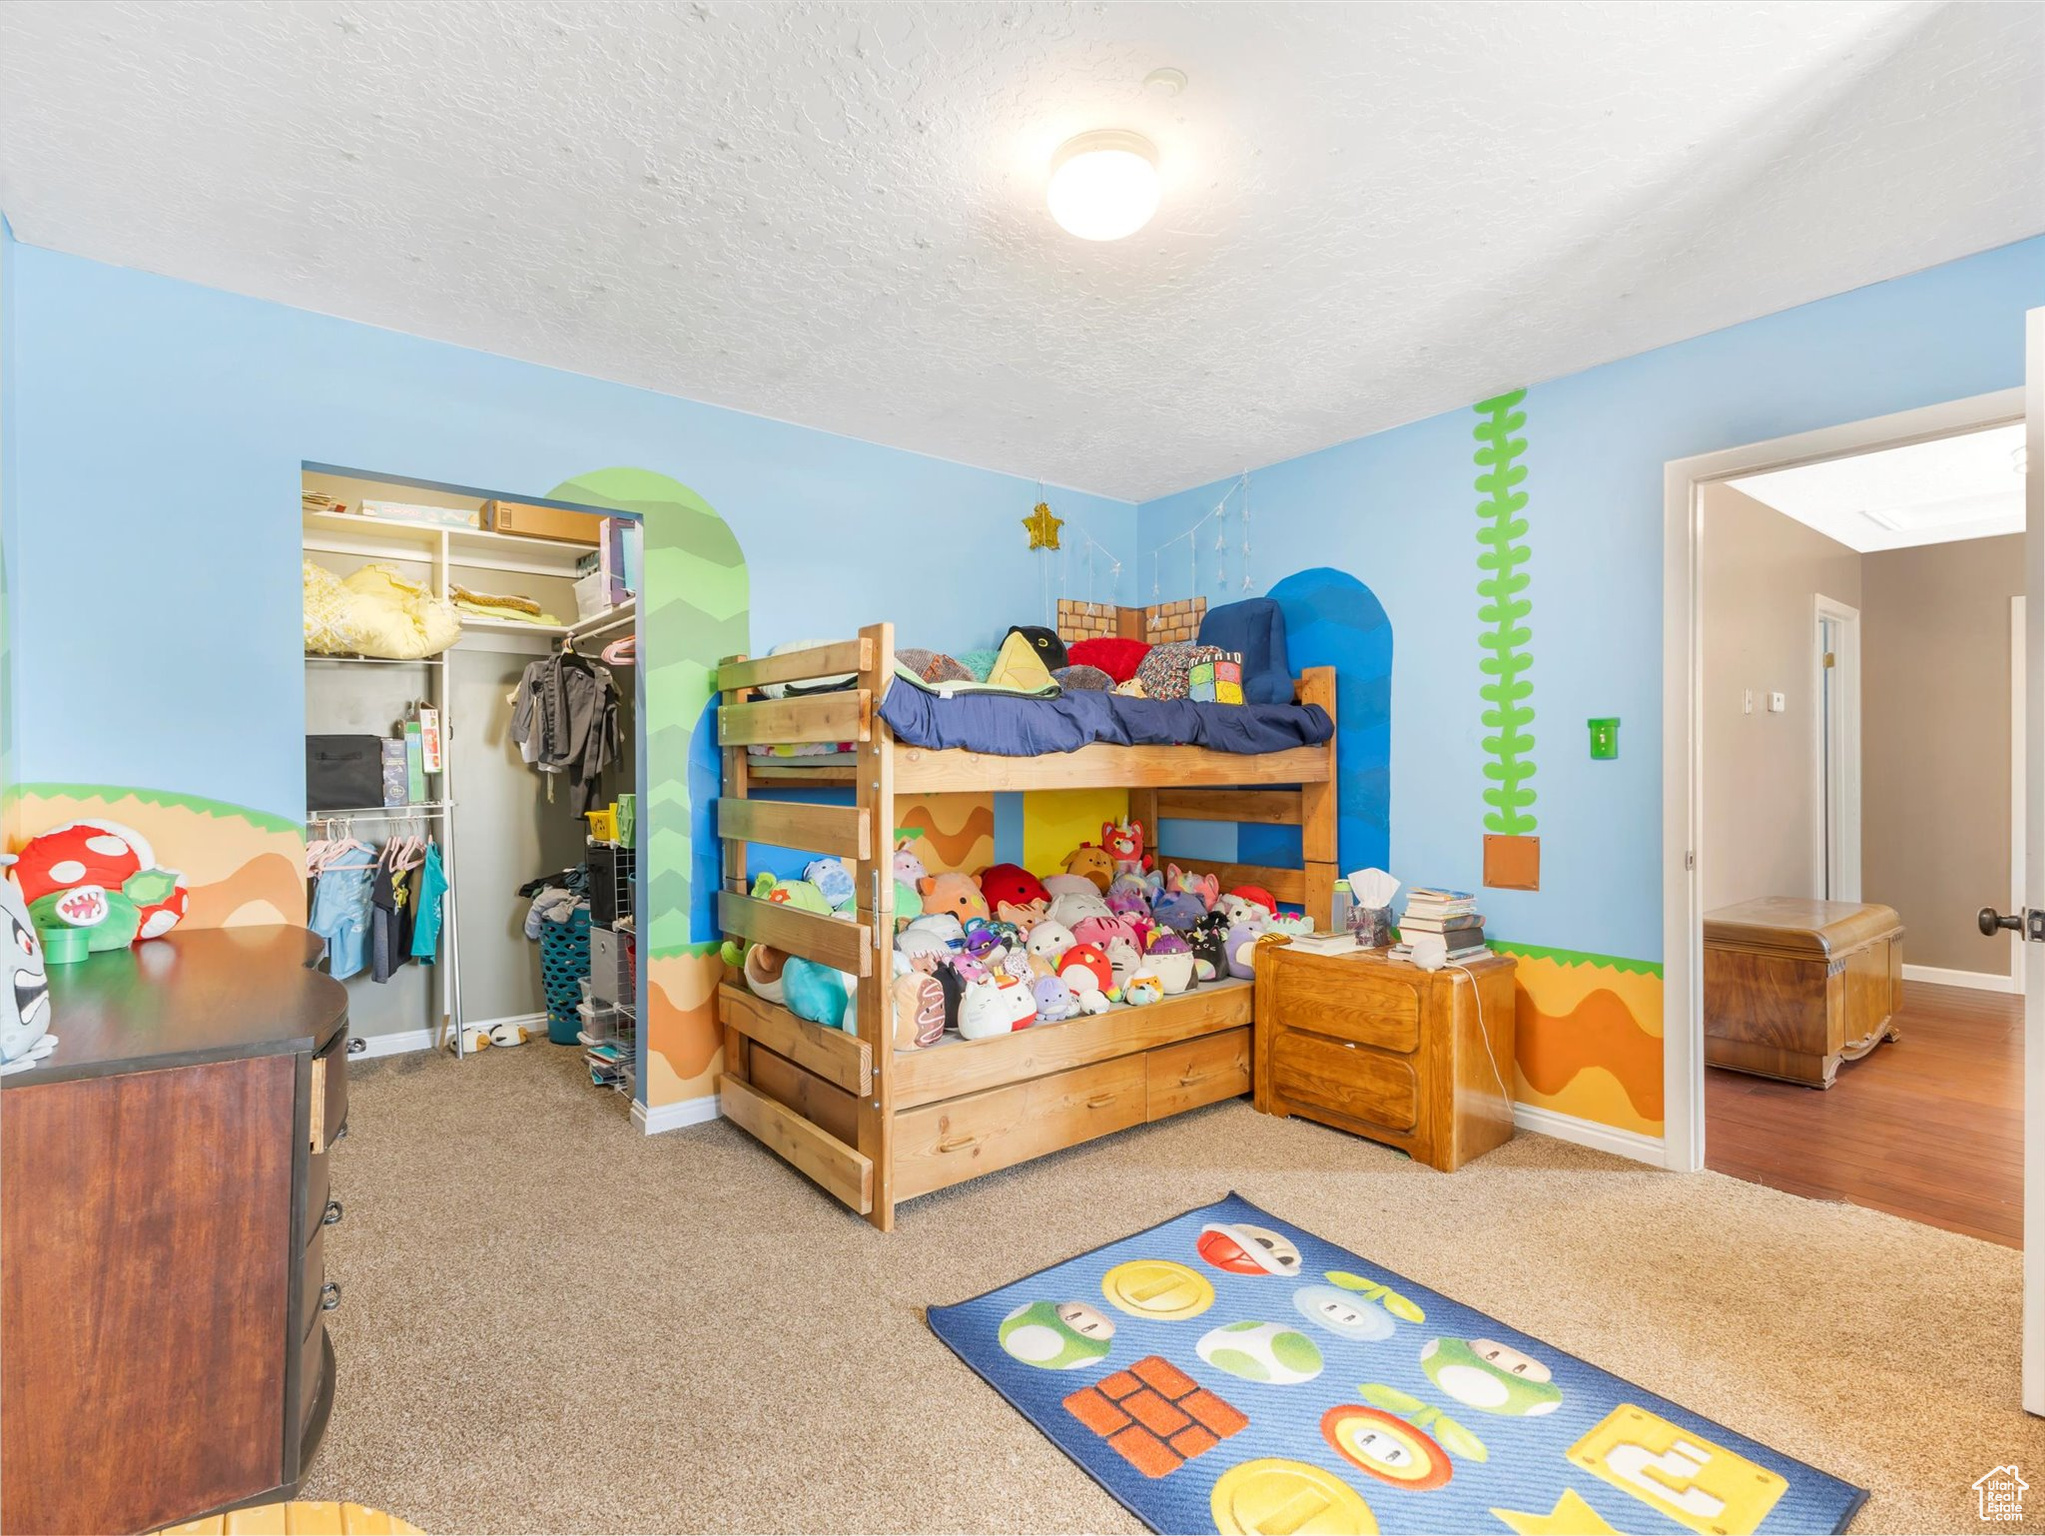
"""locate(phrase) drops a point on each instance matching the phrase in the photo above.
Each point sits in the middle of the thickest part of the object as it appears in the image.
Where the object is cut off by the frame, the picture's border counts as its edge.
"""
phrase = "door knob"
(1992, 922)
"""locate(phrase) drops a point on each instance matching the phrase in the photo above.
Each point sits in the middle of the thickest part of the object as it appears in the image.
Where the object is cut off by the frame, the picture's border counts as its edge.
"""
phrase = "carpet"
(1226, 1371)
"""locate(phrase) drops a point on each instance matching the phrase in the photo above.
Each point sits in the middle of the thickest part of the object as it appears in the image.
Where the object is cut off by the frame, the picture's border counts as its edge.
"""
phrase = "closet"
(525, 582)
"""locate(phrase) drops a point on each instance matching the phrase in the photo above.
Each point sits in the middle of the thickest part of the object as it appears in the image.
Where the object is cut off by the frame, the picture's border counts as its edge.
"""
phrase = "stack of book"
(1450, 916)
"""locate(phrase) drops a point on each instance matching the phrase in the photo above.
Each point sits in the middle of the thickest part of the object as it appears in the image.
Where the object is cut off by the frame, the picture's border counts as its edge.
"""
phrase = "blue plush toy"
(830, 876)
(814, 992)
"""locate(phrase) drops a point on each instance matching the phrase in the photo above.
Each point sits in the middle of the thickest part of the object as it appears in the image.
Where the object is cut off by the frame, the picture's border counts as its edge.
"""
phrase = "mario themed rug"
(1227, 1372)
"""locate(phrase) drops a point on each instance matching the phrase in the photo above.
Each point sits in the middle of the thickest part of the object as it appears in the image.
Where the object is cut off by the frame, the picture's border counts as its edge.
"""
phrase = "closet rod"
(423, 808)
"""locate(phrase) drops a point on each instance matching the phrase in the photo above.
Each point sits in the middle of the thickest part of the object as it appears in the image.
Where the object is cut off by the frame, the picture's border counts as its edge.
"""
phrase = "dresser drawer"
(1340, 997)
(1353, 1081)
(311, 1277)
(1195, 1072)
(312, 1364)
(319, 1189)
(954, 1139)
(329, 1112)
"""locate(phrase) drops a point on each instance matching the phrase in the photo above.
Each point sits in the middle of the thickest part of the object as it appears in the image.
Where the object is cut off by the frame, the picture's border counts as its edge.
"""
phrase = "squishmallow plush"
(1207, 888)
(909, 866)
(1141, 990)
(1178, 909)
(1069, 885)
(1209, 938)
(1123, 841)
(1124, 961)
(1054, 1000)
(952, 893)
(1013, 884)
(1170, 959)
(982, 1012)
(1048, 942)
(1241, 944)
(816, 992)
(1019, 1002)
(1023, 917)
(1089, 959)
(1241, 900)
(919, 1011)
(1072, 909)
(1093, 863)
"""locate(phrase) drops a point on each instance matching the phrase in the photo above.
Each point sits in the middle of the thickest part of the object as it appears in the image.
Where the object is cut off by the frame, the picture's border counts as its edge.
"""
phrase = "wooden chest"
(1419, 1060)
(1793, 987)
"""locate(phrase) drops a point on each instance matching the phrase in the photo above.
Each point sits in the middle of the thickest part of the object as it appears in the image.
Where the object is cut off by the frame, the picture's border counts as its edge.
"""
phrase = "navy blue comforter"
(1011, 726)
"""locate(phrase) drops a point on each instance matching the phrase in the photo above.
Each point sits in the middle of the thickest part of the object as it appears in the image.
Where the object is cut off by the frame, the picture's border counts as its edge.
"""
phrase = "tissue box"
(1216, 682)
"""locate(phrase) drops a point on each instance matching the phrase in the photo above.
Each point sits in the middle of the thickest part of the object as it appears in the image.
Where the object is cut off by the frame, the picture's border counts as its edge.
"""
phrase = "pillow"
(1256, 628)
(1166, 672)
(934, 666)
(1049, 647)
(1083, 679)
(1019, 666)
(1116, 657)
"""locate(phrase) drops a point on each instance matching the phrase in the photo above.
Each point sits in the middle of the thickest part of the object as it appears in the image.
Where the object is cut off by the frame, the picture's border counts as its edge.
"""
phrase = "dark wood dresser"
(164, 1188)
(1420, 1060)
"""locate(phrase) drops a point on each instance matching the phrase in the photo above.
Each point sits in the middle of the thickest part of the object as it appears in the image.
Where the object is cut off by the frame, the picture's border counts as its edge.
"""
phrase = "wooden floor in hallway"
(1929, 1126)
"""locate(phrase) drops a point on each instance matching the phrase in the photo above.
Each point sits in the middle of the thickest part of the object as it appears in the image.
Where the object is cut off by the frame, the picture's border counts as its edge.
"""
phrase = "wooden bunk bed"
(875, 1126)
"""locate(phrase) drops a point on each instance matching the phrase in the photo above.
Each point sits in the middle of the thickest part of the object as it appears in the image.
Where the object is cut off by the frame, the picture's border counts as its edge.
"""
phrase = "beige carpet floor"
(553, 1323)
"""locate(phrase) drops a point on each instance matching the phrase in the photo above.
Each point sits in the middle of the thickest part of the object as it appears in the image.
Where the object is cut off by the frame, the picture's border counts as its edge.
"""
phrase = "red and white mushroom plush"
(94, 873)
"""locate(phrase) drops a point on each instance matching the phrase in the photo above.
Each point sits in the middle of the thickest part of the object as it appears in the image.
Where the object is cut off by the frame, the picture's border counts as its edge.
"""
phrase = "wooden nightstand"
(1385, 1050)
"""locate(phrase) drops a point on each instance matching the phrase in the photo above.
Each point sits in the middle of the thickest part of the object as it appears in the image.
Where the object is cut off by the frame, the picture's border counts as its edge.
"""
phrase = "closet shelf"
(379, 661)
(622, 616)
(511, 626)
(399, 812)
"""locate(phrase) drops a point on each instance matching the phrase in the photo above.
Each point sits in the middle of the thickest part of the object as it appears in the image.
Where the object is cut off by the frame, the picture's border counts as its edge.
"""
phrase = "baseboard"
(672, 1117)
(394, 1045)
(1589, 1133)
(1974, 981)
(425, 1039)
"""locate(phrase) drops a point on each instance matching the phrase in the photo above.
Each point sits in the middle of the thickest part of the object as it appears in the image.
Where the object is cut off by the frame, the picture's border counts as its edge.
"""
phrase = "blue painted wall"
(156, 431)
(1398, 510)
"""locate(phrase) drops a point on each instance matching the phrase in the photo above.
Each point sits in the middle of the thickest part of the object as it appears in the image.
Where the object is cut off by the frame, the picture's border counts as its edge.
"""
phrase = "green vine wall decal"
(1506, 662)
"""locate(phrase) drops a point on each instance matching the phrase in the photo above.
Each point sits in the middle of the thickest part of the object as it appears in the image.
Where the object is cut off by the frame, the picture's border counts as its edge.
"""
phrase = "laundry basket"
(564, 962)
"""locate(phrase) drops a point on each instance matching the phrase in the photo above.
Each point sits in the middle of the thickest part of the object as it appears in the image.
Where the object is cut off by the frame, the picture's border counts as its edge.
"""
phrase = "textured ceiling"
(1965, 487)
(835, 215)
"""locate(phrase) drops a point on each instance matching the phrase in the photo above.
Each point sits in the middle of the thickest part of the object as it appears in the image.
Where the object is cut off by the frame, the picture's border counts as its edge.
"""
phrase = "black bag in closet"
(343, 773)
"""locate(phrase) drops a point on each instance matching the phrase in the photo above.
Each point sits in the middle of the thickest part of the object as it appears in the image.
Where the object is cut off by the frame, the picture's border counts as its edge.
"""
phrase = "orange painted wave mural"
(684, 1042)
(953, 832)
(1589, 1038)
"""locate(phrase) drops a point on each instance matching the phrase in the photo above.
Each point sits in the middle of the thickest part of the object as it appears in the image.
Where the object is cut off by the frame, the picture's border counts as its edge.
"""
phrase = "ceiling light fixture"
(1104, 184)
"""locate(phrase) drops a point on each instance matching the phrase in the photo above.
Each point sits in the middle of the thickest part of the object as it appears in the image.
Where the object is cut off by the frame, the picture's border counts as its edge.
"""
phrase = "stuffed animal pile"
(980, 957)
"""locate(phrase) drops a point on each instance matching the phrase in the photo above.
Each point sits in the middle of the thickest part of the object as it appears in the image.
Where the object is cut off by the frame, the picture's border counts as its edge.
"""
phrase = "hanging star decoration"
(1571, 1516)
(1043, 527)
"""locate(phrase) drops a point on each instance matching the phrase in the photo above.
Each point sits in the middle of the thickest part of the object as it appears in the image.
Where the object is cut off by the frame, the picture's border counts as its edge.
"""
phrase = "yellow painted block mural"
(241, 866)
(1056, 821)
(1589, 1037)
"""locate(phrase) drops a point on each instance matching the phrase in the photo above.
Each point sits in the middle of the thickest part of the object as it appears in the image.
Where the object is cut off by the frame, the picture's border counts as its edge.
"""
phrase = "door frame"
(1682, 733)
(1838, 801)
(2017, 767)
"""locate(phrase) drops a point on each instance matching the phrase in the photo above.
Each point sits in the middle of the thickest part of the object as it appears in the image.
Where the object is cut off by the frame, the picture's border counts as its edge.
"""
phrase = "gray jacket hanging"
(565, 721)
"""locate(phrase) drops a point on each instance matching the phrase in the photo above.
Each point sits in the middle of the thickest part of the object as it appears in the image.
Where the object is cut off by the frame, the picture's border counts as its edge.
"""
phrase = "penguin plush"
(1050, 649)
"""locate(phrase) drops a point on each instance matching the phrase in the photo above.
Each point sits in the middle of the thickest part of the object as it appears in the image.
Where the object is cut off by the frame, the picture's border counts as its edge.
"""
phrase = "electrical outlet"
(1777, 703)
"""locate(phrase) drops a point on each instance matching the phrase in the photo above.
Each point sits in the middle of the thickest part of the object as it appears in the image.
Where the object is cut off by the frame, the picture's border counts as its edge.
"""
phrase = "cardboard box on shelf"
(531, 522)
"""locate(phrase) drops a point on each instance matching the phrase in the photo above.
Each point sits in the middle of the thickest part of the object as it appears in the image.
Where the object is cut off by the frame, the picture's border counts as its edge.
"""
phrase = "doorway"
(1849, 676)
